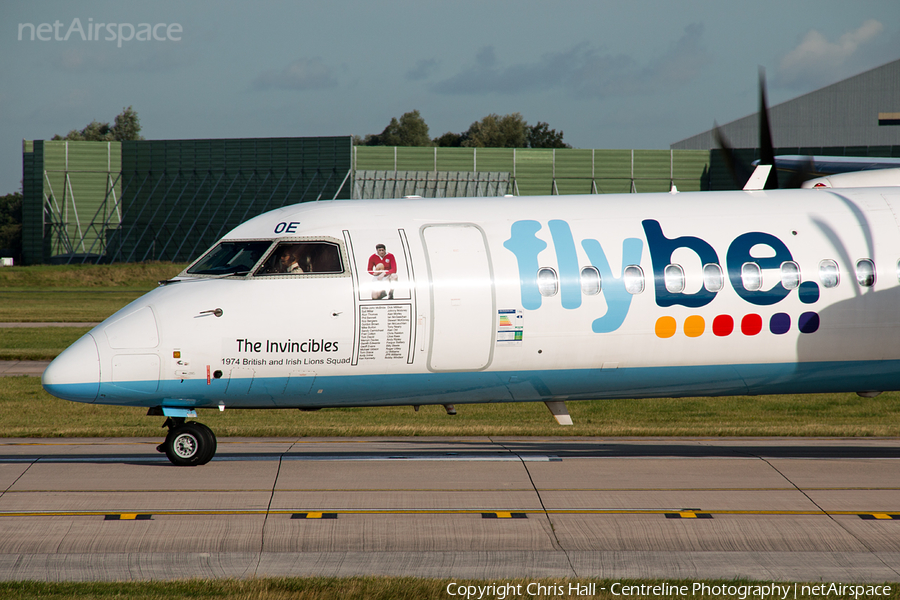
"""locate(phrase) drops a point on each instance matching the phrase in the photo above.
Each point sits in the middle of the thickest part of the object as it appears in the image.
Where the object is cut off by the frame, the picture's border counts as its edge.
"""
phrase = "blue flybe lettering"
(739, 253)
(567, 261)
(618, 300)
(661, 249)
(525, 244)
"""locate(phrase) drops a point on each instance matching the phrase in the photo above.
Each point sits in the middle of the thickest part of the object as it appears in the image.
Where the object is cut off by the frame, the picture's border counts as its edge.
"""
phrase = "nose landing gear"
(188, 444)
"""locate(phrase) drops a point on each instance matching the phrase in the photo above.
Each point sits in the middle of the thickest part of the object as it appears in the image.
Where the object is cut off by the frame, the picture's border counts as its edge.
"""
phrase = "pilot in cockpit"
(287, 261)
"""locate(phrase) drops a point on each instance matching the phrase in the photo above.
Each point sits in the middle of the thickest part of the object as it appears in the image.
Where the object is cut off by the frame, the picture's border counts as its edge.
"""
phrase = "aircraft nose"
(75, 374)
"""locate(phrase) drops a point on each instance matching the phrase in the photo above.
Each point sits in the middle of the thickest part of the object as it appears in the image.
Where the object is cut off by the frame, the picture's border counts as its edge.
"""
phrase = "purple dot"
(780, 323)
(808, 322)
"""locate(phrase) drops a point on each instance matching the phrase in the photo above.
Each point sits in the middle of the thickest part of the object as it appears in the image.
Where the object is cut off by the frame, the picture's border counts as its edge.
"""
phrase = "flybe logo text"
(526, 244)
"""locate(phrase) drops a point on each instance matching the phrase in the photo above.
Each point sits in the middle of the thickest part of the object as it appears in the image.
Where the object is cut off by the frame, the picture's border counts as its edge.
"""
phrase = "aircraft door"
(462, 297)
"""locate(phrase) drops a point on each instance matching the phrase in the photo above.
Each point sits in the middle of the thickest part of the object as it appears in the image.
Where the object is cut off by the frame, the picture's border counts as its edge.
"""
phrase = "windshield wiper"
(222, 276)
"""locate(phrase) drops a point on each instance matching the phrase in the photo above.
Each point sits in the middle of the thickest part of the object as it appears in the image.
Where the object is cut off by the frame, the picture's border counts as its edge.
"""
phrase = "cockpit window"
(230, 258)
(291, 258)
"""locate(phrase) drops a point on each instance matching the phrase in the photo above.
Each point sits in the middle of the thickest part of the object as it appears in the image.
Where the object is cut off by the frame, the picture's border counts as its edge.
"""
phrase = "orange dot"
(694, 326)
(665, 327)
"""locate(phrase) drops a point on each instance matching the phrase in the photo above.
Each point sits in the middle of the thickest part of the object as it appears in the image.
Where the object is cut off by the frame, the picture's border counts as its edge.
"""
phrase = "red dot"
(751, 324)
(723, 325)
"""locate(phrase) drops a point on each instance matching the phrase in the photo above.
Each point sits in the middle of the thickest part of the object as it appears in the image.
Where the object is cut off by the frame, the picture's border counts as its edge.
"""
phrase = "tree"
(11, 226)
(127, 127)
(508, 131)
(410, 130)
(541, 136)
(450, 140)
(494, 131)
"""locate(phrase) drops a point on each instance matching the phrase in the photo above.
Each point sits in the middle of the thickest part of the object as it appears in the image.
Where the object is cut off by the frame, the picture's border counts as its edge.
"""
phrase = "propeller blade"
(766, 148)
(740, 173)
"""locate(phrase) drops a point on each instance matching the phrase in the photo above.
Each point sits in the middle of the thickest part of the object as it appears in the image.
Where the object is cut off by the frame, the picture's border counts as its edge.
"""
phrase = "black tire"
(211, 443)
(189, 445)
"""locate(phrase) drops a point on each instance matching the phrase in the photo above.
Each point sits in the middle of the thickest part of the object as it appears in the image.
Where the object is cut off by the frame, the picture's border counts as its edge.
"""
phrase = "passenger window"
(548, 282)
(590, 281)
(298, 258)
(829, 274)
(751, 277)
(865, 272)
(634, 279)
(790, 275)
(674, 277)
(713, 279)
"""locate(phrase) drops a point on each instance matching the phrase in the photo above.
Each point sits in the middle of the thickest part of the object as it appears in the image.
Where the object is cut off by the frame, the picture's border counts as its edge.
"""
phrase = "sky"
(609, 74)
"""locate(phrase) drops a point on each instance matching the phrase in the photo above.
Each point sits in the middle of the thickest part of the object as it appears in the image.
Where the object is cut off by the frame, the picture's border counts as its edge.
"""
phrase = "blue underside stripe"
(461, 388)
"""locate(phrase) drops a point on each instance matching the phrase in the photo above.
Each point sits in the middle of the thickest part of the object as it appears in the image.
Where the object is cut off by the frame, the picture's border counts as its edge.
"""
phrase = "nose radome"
(75, 374)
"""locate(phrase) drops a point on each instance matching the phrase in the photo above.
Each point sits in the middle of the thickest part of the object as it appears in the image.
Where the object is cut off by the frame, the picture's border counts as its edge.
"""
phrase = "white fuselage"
(518, 299)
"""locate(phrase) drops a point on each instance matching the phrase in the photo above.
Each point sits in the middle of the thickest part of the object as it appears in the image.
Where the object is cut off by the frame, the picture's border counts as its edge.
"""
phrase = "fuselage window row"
(675, 280)
(752, 275)
(591, 282)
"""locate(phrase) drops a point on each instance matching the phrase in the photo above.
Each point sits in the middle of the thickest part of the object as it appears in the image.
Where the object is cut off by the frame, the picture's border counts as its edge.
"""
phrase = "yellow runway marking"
(612, 512)
(688, 514)
(128, 517)
(442, 491)
(879, 516)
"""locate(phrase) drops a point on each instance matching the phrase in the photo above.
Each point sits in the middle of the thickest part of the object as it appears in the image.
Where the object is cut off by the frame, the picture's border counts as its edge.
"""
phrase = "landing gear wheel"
(212, 444)
(190, 444)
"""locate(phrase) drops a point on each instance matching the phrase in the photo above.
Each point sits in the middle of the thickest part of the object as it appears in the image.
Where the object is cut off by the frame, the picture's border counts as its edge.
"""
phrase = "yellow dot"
(694, 326)
(665, 327)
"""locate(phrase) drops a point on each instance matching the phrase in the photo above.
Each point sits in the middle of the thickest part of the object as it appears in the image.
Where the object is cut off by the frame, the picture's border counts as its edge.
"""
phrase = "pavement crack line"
(21, 475)
(262, 540)
(543, 508)
(860, 540)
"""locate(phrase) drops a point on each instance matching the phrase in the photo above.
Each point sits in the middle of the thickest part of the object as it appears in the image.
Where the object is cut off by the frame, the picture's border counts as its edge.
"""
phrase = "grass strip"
(406, 588)
(47, 306)
(137, 276)
(38, 343)
(26, 410)
(75, 293)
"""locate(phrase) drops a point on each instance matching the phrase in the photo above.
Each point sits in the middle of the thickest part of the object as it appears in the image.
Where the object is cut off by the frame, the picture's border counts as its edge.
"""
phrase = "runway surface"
(17, 325)
(14, 368)
(489, 508)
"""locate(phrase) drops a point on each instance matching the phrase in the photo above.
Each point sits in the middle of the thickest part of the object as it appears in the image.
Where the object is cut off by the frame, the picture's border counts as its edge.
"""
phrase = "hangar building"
(860, 115)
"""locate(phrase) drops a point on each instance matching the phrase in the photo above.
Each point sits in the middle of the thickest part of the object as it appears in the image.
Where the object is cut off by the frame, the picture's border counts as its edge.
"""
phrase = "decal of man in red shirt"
(383, 268)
